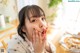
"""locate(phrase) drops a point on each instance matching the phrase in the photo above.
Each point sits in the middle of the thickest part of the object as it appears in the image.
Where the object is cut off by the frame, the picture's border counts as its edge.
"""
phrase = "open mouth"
(44, 33)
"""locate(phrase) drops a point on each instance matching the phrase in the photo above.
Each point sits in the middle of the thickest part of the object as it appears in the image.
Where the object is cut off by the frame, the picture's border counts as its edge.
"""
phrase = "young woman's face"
(35, 23)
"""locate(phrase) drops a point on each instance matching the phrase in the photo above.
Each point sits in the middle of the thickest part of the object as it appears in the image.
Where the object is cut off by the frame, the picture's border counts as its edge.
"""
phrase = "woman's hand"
(38, 42)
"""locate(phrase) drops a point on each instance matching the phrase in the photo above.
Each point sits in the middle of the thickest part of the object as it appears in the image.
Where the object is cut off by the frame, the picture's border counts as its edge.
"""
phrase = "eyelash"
(43, 19)
(33, 20)
(36, 20)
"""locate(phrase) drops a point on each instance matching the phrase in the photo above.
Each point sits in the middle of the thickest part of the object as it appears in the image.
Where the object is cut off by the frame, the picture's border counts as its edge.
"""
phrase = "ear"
(24, 29)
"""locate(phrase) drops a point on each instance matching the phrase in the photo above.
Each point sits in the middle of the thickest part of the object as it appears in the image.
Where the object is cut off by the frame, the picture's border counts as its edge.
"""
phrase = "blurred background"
(63, 17)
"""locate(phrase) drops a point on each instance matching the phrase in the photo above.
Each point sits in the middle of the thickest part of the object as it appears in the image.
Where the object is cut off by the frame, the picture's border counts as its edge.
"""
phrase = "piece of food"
(72, 42)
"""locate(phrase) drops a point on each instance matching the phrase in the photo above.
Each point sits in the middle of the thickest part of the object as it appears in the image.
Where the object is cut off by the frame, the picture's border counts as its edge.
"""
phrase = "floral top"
(18, 45)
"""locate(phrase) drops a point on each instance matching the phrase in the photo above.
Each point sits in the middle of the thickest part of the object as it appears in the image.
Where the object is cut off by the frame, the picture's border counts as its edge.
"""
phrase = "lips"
(44, 33)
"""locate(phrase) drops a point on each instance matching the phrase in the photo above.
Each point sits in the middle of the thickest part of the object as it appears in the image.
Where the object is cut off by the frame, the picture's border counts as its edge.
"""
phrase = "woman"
(32, 30)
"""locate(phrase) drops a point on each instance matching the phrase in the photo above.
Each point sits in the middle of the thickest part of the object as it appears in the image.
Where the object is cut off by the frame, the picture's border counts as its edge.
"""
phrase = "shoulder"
(13, 45)
(13, 41)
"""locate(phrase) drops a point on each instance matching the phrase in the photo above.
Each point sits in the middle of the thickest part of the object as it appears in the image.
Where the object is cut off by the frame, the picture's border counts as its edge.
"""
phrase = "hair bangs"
(36, 12)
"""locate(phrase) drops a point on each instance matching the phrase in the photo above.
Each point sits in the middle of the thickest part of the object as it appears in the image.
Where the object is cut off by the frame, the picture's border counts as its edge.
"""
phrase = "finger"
(44, 41)
(37, 38)
(33, 35)
(40, 37)
(44, 37)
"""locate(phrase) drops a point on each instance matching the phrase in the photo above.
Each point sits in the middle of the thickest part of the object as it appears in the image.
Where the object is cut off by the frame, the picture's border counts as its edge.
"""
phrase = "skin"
(34, 28)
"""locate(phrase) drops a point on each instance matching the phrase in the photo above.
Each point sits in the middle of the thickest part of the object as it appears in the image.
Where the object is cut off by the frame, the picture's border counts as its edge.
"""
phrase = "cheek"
(35, 27)
(31, 28)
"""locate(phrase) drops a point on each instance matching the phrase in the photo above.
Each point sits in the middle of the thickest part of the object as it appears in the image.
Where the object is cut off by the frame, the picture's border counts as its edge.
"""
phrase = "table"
(6, 34)
(55, 41)
(9, 29)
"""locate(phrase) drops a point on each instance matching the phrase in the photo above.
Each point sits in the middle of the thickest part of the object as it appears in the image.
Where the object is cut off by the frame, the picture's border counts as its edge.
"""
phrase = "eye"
(33, 20)
(43, 19)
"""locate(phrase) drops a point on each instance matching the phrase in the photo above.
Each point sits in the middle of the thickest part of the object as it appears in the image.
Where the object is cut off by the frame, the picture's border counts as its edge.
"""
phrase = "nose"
(42, 24)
